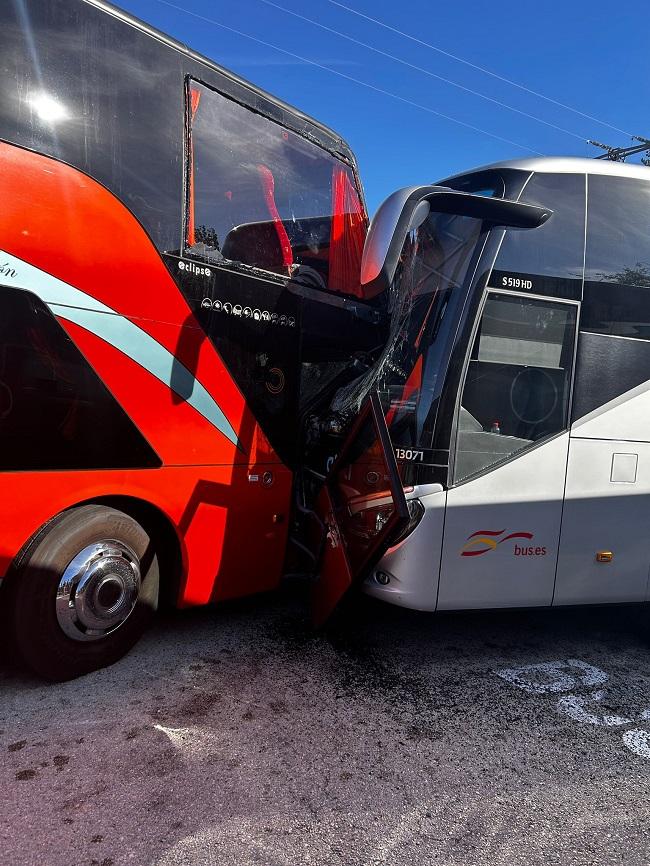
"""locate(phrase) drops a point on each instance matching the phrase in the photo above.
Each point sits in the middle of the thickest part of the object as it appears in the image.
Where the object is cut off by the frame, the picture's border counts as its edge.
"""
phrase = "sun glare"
(47, 108)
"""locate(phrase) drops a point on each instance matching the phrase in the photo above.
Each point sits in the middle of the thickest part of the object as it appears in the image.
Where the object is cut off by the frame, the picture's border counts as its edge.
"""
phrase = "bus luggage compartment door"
(363, 507)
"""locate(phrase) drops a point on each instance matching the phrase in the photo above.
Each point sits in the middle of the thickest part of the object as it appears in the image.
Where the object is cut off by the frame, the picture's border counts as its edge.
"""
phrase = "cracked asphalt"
(239, 736)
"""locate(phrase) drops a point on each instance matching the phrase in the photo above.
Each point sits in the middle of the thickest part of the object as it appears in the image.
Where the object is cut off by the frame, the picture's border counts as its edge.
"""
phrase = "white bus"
(515, 385)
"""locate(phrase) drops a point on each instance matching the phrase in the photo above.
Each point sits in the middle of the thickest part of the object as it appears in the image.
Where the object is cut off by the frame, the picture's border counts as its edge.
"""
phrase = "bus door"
(362, 506)
(504, 506)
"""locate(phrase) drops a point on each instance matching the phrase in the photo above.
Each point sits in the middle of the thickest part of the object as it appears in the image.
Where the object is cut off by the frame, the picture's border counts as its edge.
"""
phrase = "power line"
(475, 66)
(620, 154)
(349, 77)
(422, 69)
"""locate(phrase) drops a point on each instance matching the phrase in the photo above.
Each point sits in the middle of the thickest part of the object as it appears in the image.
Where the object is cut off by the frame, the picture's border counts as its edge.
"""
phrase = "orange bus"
(179, 278)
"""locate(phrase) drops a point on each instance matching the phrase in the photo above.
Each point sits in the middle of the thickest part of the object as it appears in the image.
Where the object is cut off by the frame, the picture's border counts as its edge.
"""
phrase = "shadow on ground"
(239, 735)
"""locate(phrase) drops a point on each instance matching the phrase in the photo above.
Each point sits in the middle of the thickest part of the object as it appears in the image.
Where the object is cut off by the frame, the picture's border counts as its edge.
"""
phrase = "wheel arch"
(161, 529)
(152, 518)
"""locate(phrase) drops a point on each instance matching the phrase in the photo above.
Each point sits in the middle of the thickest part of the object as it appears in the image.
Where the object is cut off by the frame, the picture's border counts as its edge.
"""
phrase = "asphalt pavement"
(239, 736)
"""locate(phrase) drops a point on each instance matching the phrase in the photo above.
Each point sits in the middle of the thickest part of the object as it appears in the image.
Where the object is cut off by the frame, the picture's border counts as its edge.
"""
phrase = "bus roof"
(567, 165)
(127, 18)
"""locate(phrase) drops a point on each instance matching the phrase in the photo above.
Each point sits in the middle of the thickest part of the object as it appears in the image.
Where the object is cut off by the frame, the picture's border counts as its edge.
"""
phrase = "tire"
(63, 629)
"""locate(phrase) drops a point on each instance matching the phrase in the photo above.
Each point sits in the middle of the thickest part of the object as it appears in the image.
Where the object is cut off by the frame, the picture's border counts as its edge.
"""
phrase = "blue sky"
(592, 56)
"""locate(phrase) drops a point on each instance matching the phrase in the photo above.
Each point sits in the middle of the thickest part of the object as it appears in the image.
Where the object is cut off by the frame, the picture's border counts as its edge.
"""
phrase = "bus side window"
(517, 383)
(261, 195)
(616, 301)
(549, 259)
(617, 273)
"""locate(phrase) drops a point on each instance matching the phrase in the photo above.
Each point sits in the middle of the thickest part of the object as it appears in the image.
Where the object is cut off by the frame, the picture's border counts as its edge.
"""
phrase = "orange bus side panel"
(231, 530)
(230, 519)
(67, 225)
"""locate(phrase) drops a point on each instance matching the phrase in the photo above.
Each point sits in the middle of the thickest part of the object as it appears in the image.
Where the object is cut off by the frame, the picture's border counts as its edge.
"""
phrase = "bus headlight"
(416, 513)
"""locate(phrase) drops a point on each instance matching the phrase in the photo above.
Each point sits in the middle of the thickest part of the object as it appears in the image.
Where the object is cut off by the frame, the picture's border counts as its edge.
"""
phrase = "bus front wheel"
(82, 592)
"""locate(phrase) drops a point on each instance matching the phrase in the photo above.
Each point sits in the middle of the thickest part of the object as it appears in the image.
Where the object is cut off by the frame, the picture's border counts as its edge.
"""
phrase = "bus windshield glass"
(426, 300)
(433, 287)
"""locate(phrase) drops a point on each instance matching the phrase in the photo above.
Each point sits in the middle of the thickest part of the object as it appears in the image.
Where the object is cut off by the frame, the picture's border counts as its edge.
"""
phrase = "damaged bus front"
(514, 390)
(422, 255)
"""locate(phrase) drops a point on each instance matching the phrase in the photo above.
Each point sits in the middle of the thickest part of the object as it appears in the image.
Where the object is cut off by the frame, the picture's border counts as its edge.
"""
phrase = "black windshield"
(425, 301)
(426, 304)
(432, 288)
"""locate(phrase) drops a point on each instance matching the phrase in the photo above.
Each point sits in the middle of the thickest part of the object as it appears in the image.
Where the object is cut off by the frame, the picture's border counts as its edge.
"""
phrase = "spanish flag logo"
(486, 540)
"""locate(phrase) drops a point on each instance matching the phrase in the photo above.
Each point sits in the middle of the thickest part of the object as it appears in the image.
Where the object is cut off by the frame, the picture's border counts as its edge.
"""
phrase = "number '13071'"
(409, 454)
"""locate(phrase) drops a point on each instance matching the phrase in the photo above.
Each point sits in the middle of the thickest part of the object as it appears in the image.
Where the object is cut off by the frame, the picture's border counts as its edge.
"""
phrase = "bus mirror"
(407, 208)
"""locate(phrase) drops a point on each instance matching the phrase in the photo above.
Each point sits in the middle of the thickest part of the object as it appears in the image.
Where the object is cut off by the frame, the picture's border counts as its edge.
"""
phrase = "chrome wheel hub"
(98, 590)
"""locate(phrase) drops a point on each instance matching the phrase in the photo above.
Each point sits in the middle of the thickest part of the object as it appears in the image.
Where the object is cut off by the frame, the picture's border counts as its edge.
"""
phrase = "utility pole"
(620, 154)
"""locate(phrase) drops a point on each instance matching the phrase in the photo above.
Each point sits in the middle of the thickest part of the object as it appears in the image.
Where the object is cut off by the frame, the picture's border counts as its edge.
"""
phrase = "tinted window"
(617, 271)
(427, 297)
(518, 380)
(55, 413)
(502, 182)
(547, 260)
(489, 183)
(264, 196)
(114, 94)
(434, 272)
(606, 368)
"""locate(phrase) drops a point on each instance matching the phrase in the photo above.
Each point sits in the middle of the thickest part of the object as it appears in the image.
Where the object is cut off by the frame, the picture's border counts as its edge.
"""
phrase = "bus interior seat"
(255, 243)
